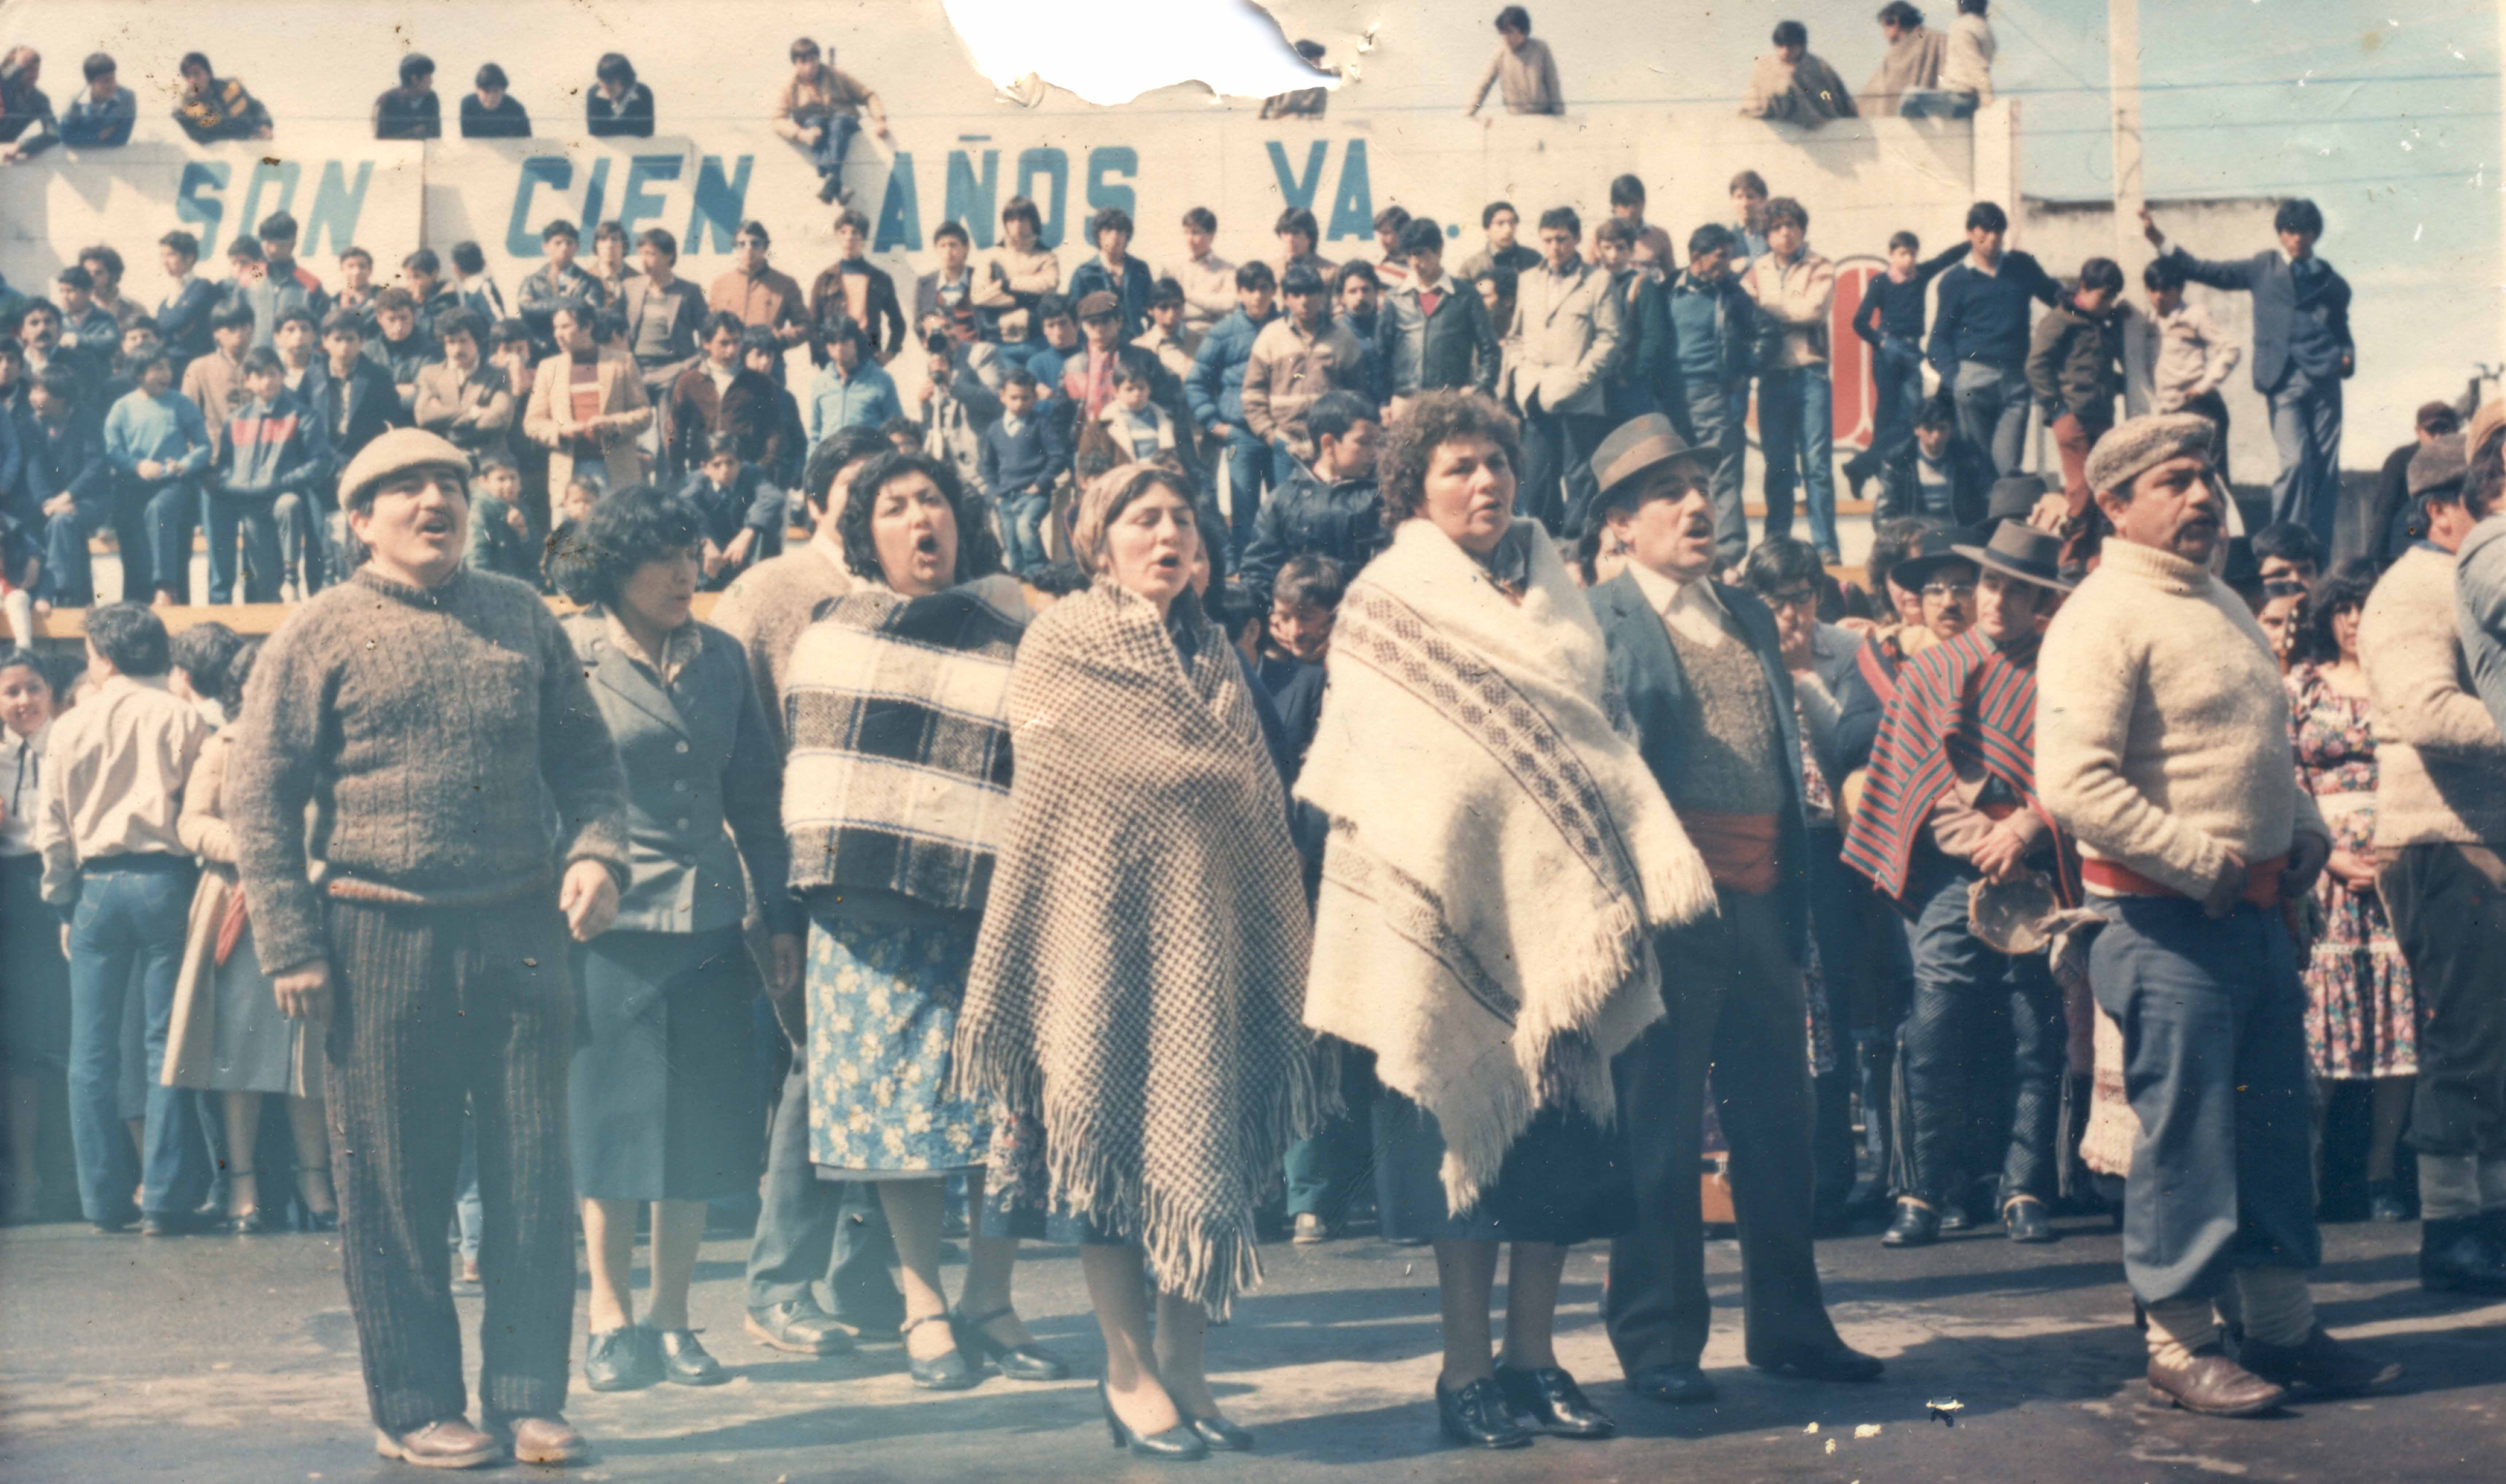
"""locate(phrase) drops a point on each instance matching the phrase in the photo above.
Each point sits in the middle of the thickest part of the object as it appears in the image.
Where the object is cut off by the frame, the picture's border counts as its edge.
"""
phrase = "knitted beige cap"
(2141, 444)
(398, 452)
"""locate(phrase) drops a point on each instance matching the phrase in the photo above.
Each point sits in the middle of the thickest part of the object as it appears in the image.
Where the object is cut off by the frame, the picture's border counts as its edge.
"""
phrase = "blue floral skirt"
(882, 1014)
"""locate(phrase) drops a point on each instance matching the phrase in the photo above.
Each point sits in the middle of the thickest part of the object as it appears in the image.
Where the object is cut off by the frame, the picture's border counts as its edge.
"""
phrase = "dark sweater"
(429, 731)
(508, 120)
(400, 114)
(1984, 317)
(1020, 463)
(1893, 309)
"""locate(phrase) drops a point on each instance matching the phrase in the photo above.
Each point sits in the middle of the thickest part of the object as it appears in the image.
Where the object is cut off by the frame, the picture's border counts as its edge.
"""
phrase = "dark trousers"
(1836, 924)
(130, 919)
(256, 522)
(1558, 488)
(1735, 1002)
(1715, 422)
(835, 137)
(2448, 903)
(1325, 1170)
(2214, 407)
(430, 1007)
(1897, 383)
(1984, 1056)
(2305, 426)
(1797, 430)
(1248, 473)
(2213, 1021)
(810, 1229)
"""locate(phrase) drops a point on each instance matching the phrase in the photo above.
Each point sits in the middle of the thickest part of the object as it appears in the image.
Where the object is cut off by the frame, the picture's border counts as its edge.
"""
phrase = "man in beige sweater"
(2440, 826)
(2162, 747)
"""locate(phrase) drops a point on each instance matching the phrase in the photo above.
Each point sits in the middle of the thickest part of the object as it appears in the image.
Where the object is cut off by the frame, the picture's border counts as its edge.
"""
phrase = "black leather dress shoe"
(2025, 1219)
(621, 1360)
(2320, 1364)
(1678, 1385)
(2461, 1256)
(1220, 1434)
(1819, 1362)
(950, 1372)
(1955, 1217)
(1018, 1363)
(798, 1326)
(684, 1362)
(1553, 1400)
(1917, 1225)
(171, 1223)
(1477, 1416)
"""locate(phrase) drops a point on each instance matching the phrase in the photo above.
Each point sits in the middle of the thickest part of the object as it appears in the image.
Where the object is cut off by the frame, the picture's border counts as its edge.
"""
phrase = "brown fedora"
(1636, 447)
(2021, 551)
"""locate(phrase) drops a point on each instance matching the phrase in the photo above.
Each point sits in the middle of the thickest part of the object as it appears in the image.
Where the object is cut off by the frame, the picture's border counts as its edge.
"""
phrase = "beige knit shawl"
(1139, 977)
(1500, 859)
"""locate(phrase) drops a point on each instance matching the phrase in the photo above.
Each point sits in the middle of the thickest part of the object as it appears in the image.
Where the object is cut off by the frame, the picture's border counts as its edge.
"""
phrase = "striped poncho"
(1966, 705)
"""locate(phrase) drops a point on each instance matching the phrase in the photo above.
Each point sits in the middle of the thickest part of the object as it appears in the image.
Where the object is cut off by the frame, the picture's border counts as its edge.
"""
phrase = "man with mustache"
(2162, 748)
(1701, 668)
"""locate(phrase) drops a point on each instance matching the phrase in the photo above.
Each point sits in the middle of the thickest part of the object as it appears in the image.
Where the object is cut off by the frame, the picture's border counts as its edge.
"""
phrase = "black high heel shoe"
(1222, 1435)
(940, 1373)
(1019, 1362)
(1178, 1444)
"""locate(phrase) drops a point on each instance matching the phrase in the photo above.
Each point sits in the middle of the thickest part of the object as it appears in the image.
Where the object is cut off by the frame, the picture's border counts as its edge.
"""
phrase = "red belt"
(2262, 881)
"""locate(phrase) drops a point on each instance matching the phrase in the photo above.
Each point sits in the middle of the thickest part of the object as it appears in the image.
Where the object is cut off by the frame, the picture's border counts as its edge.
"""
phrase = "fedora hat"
(2021, 551)
(1939, 546)
(1636, 447)
(2014, 497)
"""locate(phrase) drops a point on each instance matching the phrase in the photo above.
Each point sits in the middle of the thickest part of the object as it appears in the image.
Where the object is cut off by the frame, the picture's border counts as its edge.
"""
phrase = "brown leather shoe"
(448, 1442)
(2214, 1385)
(2320, 1364)
(541, 1440)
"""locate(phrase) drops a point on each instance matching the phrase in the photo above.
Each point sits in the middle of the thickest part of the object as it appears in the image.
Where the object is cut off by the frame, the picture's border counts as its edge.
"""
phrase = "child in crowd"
(1019, 463)
(742, 511)
(1140, 427)
(573, 509)
(500, 534)
(1305, 598)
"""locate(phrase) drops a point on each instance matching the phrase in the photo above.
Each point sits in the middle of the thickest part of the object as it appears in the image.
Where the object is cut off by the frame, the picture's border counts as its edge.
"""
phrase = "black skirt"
(662, 1099)
(34, 977)
(1564, 1180)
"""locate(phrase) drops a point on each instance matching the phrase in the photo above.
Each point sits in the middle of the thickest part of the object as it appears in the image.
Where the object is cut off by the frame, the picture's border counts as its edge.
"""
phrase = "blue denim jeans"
(1897, 378)
(130, 917)
(828, 154)
(1797, 428)
(1023, 518)
(1248, 474)
(256, 520)
(68, 578)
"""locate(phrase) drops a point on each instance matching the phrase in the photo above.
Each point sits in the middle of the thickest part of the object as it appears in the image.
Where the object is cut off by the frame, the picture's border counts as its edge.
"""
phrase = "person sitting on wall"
(411, 109)
(821, 109)
(1790, 85)
(212, 108)
(491, 112)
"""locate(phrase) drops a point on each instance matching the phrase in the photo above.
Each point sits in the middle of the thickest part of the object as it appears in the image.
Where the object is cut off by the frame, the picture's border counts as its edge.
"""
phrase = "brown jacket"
(476, 412)
(1290, 368)
(550, 422)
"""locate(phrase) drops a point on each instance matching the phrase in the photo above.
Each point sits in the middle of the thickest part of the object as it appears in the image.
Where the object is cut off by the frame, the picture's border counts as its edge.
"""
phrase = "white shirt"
(20, 789)
(1692, 610)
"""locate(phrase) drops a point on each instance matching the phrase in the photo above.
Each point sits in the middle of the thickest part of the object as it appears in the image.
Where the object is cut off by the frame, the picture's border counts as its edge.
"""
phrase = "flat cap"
(400, 451)
(2135, 447)
(1099, 304)
(2439, 462)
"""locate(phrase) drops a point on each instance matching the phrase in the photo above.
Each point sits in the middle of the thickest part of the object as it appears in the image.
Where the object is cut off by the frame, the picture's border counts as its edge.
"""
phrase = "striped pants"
(430, 1007)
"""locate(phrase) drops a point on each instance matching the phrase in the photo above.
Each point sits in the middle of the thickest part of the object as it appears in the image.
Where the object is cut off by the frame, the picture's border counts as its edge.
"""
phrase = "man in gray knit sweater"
(2162, 747)
(428, 717)
(2440, 826)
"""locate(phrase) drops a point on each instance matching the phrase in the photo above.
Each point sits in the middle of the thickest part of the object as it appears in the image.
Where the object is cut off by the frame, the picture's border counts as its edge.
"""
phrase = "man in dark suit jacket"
(1703, 672)
(2301, 355)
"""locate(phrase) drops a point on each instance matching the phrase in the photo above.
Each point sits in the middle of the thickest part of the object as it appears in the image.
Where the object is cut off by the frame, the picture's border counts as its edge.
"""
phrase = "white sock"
(2450, 1186)
(2278, 1309)
(2179, 1326)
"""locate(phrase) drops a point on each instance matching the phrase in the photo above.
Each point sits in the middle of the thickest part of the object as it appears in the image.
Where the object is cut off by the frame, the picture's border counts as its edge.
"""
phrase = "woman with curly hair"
(1137, 985)
(658, 1102)
(1492, 943)
(2362, 1019)
(898, 785)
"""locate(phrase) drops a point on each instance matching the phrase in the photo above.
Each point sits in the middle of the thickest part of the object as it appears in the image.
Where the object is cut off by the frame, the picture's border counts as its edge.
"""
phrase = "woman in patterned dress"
(2361, 1015)
(894, 791)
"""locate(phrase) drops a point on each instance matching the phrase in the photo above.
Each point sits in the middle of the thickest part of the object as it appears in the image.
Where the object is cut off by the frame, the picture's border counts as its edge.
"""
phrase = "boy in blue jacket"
(742, 511)
(1019, 459)
(272, 447)
(1215, 393)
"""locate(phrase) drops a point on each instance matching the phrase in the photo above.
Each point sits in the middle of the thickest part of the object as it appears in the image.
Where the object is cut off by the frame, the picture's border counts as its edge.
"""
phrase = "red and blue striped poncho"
(1966, 702)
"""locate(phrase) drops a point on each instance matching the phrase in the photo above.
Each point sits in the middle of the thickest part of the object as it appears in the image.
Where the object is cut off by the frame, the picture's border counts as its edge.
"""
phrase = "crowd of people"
(1466, 821)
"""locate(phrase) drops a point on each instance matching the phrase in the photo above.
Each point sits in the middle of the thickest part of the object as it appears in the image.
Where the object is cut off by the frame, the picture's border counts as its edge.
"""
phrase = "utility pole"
(2123, 65)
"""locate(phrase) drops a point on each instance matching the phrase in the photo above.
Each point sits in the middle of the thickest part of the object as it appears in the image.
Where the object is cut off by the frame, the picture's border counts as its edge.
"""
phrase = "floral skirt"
(2361, 1013)
(882, 1015)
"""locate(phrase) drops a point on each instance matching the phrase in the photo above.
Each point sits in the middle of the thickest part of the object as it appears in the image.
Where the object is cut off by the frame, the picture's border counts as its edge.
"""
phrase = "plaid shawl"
(1500, 859)
(1965, 702)
(1141, 975)
(899, 774)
